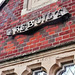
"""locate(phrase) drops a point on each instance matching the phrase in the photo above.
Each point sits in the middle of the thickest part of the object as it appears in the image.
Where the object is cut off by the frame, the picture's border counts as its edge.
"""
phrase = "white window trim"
(63, 68)
(39, 71)
(27, 6)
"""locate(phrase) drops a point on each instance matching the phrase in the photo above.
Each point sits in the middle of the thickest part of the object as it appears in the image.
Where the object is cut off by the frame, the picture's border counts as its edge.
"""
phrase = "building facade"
(37, 37)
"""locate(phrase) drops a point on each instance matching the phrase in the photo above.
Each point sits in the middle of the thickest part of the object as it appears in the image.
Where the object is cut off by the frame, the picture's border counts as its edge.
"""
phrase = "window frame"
(27, 6)
(63, 68)
(39, 71)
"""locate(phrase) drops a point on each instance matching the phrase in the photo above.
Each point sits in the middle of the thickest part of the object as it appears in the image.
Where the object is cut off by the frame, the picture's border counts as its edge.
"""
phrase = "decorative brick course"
(46, 37)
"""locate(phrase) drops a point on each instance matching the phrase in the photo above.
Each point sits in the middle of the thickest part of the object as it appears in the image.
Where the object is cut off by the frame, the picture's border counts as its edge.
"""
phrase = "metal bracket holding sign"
(47, 17)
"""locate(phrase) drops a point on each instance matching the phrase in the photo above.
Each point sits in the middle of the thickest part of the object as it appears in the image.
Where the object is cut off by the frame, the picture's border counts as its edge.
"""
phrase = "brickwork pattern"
(43, 38)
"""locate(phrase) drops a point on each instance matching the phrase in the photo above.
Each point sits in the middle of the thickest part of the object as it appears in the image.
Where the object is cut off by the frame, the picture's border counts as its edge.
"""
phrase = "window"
(67, 70)
(39, 72)
(30, 5)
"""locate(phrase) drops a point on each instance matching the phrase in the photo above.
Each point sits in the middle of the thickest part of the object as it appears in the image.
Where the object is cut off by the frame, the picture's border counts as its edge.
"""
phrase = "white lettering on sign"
(47, 17)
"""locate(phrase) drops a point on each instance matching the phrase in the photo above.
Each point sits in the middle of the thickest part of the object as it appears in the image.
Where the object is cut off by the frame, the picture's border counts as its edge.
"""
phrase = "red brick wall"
(46, 37)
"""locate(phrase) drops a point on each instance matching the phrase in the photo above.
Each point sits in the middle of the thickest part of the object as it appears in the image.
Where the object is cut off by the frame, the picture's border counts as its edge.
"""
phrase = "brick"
(2, 58)
(20, 49)
(66, 2)
(46, 10)
(45, 34)
(69, 22)
(53, 4)
(38, 37)
(29, 43)
(45, 42)
(20, 39)
(55, 43)
(18, 53)
(73, 14)
(73, 0)
(11, 45)
(42, 47)
(58, 2)
(0, 45)
(15, 22)
(74, 30)
(5, 47)
(27, 47)
(58, 38)
(21, 42)
(72, 10)
(48, 37)
(10, 55)
(71, 3)
(16, 37)
(8, 46)
(73, 7)
(46, 46)
(51, 33)
(66, 36)
(24, 52)
(27, 51)
(58, 30)
(5, 37)
(55, 35)
(68, 8)
(33, 46)
(10, 49)
(9, 52)
(3, 51)
(66, 5)
(35, 41)
(2, 41)
(72, 34)
(37, 34)
(14, 51)
(39, 44)
(9, 42)
(58, 8)
(52, 28)
(51, 40)
(3, 54)
(65, 28)
(1, 30)
(42, 39)
(66, 32)
(45, 27)
(33, 38)
(67, 40)
(72, 26)
(0, 36)
(35, 49)
(13, 48)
